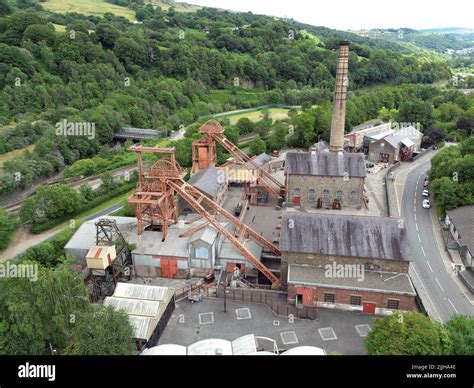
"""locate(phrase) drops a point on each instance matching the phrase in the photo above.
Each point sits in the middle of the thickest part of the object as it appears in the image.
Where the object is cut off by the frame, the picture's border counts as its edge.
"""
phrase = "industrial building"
(398, 146)
(185, 229)
(359, 138)
(350, 262)
(148, 308)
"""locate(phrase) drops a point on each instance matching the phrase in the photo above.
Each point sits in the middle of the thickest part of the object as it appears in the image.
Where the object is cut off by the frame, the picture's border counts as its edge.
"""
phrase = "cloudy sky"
(359, 14)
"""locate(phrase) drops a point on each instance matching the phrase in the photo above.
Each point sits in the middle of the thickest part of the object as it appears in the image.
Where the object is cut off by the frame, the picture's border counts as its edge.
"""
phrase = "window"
(325, 196)
(356, 300)
(201, 253)
(296, 192)
(329, 297)
(393, 304)
(311, 196)
(339, 196)
(353, 198)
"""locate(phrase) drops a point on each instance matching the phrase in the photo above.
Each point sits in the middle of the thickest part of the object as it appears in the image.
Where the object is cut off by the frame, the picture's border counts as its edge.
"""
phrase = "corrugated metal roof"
(396, 138)
(208, 235)
(325, 164)
(344, 235)
(230, 252)
(208, 181)
(143, 304)
(141, 291)
(143, 308)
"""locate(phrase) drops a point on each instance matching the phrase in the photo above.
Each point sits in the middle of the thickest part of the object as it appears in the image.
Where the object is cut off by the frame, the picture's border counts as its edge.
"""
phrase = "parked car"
(426, 204)
(425, 184)
(425, 193)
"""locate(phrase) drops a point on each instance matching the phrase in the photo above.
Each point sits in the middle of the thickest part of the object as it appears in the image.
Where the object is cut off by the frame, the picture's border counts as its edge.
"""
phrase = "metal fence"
(270, 298)
(182, 293)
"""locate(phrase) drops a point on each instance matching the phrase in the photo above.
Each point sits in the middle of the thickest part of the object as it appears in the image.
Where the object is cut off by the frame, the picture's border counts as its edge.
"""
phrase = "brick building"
(349, 262)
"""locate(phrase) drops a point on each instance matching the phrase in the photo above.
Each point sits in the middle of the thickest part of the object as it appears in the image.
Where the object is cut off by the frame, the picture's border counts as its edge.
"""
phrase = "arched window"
(339, 196)
(325, 196)
(311, 196)
(353, 198)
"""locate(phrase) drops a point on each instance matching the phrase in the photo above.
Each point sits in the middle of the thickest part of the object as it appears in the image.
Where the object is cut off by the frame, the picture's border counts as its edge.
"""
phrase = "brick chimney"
(336, 143)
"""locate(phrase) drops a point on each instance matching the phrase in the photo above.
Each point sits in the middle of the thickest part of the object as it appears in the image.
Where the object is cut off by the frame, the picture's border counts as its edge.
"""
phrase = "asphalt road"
(428, 263)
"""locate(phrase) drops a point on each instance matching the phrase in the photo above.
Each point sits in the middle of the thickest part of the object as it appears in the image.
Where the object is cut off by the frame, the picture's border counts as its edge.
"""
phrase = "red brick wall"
(406, 302)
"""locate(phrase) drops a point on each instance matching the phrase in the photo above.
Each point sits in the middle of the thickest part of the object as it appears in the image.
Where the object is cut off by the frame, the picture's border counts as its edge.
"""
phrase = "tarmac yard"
(336, 331)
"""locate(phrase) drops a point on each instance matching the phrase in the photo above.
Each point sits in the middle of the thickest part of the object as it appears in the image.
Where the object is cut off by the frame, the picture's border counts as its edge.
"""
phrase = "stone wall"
(321, 183)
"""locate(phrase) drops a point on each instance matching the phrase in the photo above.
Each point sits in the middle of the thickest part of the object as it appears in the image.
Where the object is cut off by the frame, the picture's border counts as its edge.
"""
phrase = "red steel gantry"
(204, 155)
(155, 204)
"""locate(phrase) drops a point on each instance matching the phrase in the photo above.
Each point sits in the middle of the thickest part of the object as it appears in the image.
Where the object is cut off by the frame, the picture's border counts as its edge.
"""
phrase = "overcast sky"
(360, 14)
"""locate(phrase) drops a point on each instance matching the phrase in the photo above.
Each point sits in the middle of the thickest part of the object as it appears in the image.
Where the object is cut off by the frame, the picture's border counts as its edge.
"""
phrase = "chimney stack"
(336, 143)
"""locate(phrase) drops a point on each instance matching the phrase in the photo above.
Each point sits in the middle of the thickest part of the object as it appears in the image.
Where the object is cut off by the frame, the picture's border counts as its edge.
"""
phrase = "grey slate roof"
(208, 235)
(325, 164)
(343, 235)
(207, 181)
(320, 146)
(385, 282)
(262, 159)
(463, 220)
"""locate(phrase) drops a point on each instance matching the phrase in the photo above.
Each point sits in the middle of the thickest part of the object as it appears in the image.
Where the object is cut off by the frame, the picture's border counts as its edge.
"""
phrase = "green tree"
(445, 192)
(104, 331)
(257, 146)
(183, 152)
(244, 125)
(407, 333)
(461, 332)
(7, 227)
(416, 111)
(40, 315)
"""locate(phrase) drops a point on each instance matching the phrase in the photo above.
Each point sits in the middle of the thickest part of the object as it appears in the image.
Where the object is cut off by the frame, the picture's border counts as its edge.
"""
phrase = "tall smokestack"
(339, 110)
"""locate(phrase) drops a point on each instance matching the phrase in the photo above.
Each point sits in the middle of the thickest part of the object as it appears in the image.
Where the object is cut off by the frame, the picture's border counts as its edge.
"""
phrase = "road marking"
(439, 284)
(451, 303)
(415, 215)
(423, 250)
(419, 238)
(414, 201)
(429, 265)
(416, 226)
(426, 292)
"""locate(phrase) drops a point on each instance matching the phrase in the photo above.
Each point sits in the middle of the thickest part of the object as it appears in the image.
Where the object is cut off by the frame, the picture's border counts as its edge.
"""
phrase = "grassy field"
(246, 97)
(275, 114)
(88, 7)
(11, 154)
(179, 7)
(59, 27)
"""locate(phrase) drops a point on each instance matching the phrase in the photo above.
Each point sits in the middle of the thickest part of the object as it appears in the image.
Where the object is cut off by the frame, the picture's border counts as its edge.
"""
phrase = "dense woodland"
(159, 74)
(175, 69)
